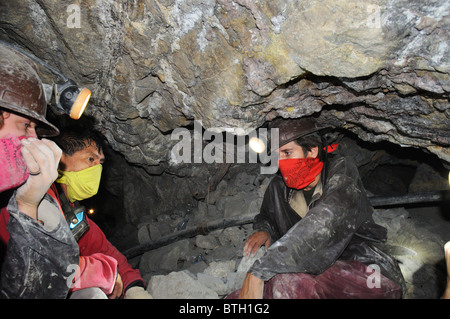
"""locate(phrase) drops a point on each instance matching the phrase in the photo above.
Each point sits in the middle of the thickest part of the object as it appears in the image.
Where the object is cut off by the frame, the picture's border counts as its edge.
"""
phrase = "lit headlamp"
(257, 144)
(71, 99)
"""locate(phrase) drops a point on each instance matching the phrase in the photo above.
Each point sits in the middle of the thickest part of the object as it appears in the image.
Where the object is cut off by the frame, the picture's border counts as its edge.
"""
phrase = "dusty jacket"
(38, 255)
(339, 225)
(96, 270)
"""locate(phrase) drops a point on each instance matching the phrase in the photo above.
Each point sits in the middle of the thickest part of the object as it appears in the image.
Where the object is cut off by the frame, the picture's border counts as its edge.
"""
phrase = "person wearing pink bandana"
(36, 245)
(316, 224)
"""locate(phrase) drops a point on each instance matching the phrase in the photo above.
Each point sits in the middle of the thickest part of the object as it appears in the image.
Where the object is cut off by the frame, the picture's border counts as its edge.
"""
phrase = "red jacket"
(94, 241)
(99, 259)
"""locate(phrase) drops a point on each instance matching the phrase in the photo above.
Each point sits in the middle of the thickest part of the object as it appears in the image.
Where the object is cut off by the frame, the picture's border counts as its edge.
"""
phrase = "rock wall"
(376, 68)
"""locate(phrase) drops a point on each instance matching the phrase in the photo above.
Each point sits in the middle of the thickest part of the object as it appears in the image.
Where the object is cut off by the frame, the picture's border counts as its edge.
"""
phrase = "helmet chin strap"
(323, 174)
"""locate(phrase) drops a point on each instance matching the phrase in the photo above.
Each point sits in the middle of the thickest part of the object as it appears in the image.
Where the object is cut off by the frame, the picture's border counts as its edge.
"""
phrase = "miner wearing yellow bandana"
(84, 183)
(103, 271)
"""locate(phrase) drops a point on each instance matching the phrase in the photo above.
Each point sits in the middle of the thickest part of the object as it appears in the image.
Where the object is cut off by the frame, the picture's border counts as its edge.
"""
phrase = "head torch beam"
(69, 98)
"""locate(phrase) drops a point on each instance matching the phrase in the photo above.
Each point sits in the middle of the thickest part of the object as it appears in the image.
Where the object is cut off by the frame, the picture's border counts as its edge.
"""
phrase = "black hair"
(76, 135)
(310, 141)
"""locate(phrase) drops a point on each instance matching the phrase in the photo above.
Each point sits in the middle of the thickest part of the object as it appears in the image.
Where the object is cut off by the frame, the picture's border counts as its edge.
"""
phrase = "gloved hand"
(137, 293)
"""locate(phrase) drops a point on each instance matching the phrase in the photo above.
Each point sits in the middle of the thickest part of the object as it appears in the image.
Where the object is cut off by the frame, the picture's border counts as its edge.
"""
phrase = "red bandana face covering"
(300, 172)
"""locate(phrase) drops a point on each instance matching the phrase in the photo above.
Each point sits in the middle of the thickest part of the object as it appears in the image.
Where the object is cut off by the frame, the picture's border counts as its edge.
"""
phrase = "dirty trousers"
(343, 280)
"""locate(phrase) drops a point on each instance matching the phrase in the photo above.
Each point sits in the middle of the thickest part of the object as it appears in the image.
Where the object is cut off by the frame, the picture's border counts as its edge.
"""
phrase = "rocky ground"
(212, 265)
(424, 231)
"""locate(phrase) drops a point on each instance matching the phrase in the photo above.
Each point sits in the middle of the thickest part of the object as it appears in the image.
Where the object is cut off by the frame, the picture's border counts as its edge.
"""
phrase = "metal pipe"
(413, 198)
(376, 201)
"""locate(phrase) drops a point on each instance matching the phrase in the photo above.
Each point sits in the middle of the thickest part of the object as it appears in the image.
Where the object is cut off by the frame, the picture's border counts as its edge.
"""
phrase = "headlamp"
(71, 99)
(257, 145)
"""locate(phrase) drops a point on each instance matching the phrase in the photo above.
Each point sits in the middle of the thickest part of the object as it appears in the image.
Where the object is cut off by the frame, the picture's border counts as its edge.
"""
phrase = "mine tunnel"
(180, 87)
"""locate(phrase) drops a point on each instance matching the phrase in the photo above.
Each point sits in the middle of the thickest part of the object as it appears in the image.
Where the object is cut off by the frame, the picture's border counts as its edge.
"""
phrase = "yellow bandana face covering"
(82, 184)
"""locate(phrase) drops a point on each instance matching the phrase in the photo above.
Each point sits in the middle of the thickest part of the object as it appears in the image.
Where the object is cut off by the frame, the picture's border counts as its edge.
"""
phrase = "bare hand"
(255, 241)
(42, 159)
(118, 288)
(252, 288)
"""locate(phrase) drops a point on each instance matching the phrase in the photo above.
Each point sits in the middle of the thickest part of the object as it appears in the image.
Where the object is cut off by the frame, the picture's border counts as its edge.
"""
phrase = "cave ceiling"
(379, 69)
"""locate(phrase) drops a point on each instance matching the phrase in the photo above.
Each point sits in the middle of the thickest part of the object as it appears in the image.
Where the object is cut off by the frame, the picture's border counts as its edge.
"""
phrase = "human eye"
(29, 127)
(284, 154)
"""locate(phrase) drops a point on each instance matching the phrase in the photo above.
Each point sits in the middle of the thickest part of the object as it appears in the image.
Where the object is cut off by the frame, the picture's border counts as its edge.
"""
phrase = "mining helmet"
(292, 129)
(21, 89)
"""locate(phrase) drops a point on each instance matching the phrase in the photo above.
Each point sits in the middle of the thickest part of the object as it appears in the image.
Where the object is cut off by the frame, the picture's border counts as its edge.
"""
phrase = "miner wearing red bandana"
(316, 223)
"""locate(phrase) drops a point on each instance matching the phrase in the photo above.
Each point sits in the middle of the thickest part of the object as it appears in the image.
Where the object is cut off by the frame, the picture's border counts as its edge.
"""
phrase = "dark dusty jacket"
(339, 225)
(37, 254)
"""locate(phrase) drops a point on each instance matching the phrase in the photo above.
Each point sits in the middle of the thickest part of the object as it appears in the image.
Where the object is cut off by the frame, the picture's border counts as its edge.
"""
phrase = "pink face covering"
(13, 170)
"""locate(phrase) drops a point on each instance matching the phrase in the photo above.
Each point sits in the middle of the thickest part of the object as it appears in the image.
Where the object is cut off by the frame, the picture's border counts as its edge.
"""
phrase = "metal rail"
(377, 201)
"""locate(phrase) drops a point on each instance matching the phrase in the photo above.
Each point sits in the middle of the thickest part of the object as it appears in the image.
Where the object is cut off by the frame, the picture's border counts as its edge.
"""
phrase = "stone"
(160, 65)
(220, 269)
(165, 258)
(428, 179)
(233, 236)
(214, 283)
(143, 235)
(206, 242)
(242, 204)
(150, 232)
(179, 285)
(155, 232)
(245, 181)
(221, 253)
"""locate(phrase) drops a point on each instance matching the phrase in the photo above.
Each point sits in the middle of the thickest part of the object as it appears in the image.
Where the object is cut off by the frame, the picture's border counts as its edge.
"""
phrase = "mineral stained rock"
(377, 68)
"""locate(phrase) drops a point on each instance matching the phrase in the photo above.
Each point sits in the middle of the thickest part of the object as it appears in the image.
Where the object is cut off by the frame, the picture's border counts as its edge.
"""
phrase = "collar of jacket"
(298, 202)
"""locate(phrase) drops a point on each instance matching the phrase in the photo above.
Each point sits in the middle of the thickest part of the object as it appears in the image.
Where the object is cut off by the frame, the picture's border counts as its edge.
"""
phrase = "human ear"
(62, 162)
(313, 152)
(6, 114)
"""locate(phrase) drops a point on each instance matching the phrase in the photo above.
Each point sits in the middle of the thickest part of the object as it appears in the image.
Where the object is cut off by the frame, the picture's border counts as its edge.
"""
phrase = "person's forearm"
(252, 288)
(27, 209)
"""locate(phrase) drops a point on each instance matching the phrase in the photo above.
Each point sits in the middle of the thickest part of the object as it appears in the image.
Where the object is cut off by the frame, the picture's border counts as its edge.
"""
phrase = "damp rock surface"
(378, 69)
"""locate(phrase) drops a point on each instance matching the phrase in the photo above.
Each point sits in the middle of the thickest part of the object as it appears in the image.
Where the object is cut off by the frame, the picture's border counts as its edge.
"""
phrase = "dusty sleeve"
(97, 270)
(95, 241)
(276, 216)
(39, 254)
